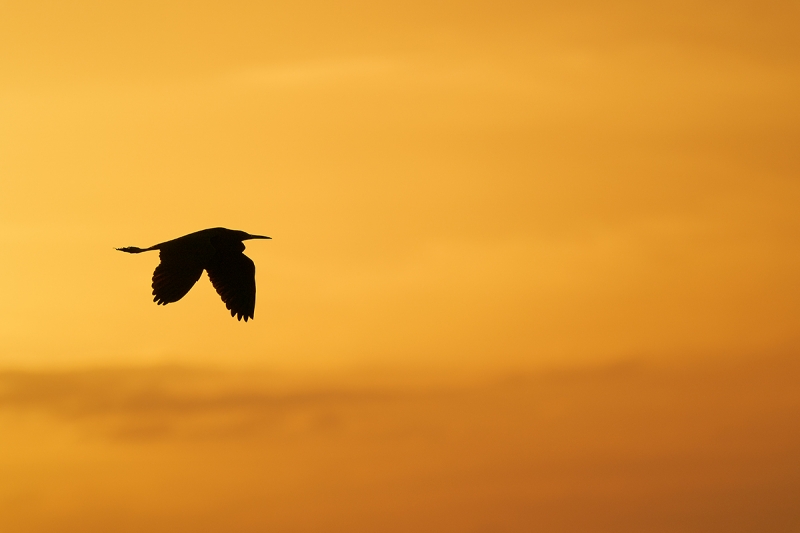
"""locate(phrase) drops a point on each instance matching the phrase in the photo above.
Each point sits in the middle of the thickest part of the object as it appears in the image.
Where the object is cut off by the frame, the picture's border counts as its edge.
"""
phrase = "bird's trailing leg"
(134, 249)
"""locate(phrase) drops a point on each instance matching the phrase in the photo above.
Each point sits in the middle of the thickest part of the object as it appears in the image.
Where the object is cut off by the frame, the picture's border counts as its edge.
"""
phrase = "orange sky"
(444, 182)
(451, 187)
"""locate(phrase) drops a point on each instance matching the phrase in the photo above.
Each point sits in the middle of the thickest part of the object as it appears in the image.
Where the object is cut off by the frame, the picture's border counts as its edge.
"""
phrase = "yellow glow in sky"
(508, 184)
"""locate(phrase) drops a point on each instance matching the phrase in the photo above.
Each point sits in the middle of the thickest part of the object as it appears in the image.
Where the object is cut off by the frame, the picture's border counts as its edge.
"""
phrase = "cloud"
(168, 401)
(626, 447)
(317, 72)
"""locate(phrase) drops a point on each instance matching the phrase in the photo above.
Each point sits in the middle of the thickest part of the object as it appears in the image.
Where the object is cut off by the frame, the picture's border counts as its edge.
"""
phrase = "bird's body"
(217, 251)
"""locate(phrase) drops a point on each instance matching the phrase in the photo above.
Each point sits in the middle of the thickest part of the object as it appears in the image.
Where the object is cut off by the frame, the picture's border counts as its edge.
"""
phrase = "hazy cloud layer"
(630, 447)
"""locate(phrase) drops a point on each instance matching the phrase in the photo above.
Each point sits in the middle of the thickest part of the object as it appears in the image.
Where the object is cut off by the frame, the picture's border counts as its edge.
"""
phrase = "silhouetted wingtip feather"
(240, 315)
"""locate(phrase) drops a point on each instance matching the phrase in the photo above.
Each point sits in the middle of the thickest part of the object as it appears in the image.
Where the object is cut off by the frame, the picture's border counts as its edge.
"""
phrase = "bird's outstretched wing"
(233, 275)
(175, 275)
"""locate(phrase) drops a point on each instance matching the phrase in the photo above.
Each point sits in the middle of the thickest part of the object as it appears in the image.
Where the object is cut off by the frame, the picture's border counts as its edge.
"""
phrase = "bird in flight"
(216, 250)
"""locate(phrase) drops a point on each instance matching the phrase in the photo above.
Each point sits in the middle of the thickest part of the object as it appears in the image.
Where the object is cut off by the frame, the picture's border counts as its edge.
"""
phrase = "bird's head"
(244, 236)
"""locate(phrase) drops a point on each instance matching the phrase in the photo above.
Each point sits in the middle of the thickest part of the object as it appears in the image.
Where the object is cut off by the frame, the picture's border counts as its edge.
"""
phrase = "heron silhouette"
(216, 250)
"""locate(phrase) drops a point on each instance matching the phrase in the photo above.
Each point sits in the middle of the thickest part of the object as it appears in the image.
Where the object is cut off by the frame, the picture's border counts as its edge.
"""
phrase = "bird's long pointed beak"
(257, 237)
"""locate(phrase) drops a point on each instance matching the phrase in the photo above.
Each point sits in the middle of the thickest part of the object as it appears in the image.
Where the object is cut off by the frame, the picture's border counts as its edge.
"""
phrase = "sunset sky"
(459, 194)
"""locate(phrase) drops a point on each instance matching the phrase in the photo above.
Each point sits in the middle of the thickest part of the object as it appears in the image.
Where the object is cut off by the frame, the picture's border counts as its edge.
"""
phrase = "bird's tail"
(133, 249)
